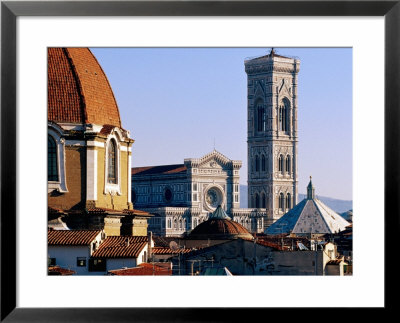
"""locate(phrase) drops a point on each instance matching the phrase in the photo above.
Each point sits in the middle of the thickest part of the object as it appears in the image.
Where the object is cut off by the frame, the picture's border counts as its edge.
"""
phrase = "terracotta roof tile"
(97, 210)
(107, 129)
(64, 98)
(78, 89)
(57, 270)
(220, 228)
(168, 251)
(118, 247)
(272, 245)
(143, 269)
(161, 169)
(136, 212)
(71, 237)
(100, 210)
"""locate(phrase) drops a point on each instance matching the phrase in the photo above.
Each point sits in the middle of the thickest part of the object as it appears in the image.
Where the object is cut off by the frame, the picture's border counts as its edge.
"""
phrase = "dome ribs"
(78, 89)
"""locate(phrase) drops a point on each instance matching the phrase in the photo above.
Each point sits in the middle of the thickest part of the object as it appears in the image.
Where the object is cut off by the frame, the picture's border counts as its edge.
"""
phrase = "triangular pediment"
(259, 91)
(214, 160)
(284, 89)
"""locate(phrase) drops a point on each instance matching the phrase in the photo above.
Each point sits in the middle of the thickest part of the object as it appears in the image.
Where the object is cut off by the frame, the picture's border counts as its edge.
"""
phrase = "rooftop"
(78, 89)
(310, 216)
(144, 269)
(71, 237)
(168, 251)
(161, 169)
(121, 247)
(59, 271)
(271, 54)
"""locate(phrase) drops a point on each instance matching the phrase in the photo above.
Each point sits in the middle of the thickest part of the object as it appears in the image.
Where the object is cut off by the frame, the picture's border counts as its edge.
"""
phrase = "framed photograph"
(368, 29)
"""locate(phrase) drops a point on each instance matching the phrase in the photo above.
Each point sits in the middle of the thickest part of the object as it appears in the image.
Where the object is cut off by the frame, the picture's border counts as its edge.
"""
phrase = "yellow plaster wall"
(112, 226)
(120, 201)
(139, 227)
(75, 177)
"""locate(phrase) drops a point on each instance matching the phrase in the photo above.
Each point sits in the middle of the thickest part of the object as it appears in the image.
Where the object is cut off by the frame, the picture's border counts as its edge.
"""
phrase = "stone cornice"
(267, 68)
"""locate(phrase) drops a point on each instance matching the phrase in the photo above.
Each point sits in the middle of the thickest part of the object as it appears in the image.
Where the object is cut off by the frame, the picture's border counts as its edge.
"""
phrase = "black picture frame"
(10, 10)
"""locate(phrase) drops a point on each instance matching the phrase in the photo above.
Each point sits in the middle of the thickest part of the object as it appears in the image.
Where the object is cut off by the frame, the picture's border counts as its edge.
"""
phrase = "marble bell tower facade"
(272, 134)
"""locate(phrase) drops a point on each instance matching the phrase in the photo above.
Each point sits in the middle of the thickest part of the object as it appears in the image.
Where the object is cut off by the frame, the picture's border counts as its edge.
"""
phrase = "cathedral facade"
(272, 133)
(182, 196)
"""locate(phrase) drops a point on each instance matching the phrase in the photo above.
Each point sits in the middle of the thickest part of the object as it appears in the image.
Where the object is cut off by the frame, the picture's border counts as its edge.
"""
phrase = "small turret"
(310, 191)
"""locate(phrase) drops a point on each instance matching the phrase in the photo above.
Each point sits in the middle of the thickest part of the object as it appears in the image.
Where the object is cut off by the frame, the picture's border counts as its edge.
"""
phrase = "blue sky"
(177, 101)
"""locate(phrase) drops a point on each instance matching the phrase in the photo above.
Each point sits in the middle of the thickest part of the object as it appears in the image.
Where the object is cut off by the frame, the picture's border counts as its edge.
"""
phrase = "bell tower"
(272, 133)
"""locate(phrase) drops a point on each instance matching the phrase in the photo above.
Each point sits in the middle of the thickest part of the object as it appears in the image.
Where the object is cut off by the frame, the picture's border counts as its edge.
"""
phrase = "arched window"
(257, 200)
(260, 117)
(280, 163)
(288, 164)
(112, 163)
(175, 224)
(257, 162)
(263, 168)
(288, 201)
(263, 200)
(52, 169)
(180, 224)
(281, 201)
(284, 115)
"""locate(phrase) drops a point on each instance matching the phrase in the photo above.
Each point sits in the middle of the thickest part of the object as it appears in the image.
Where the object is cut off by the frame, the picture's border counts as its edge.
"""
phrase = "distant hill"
(339, 206)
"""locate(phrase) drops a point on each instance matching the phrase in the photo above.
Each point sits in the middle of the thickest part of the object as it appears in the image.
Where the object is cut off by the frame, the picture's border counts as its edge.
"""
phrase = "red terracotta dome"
(78, 89)
(219, 226)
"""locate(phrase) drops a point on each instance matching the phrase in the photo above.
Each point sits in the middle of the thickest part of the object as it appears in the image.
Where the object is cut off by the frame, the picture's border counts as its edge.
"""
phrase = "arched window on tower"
(263, 168)
(288, 164)
(263, 200)
(288, 201)
(257, 201)
(257, 163)
(281, 201)
(260, 117)
(52, 169)
(112, 163)
(284, 115)
(280, 164)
